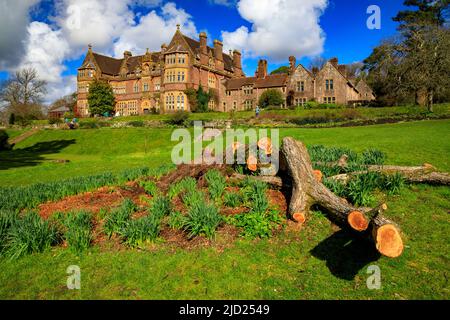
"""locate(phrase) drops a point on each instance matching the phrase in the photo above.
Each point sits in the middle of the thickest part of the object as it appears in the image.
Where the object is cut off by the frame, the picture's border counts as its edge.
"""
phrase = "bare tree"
(23, 94)
(317, 62)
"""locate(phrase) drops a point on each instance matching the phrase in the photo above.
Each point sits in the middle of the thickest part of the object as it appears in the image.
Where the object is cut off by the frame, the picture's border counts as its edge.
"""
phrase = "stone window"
(248, 104)
(247, 90)
(145, 87)
(329, 85)
(136, 88)
(157, 86)
(301, 86)
(212, 81)
(234, 105)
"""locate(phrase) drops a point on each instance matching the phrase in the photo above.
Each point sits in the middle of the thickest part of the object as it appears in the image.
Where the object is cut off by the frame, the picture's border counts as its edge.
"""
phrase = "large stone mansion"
(158, 80)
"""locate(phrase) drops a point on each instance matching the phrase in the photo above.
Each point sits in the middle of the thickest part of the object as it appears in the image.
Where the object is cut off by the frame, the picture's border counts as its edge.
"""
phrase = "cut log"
(274, 182)
(419, 174)
(307, 191)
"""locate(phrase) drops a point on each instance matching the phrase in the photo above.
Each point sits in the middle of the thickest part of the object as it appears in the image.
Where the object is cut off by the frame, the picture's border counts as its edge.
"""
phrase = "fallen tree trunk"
(419, 174)
(308, 191)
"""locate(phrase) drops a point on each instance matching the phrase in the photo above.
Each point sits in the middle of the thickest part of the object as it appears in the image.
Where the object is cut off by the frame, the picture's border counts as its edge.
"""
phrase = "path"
(23, 136)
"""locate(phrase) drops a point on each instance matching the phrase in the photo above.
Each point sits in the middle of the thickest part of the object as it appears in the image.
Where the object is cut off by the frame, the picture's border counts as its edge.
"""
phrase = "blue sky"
(338, 29)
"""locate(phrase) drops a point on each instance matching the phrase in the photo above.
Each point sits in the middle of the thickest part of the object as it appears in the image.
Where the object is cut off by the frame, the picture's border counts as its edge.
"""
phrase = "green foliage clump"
(7, 219)
(150, 187)
(216, 184)
(257, 224)
(30, 234)
(4, 145)
(187, 185)
(193, 198)
(139, 231)
(271, 97)
(373, 156)
(203, 219)
(177, 220)
(179, 118)
(78, 230)
(261, 221)
(233, 199)
(118, 219)
(160, 207)
(101, 98)
(393, 183)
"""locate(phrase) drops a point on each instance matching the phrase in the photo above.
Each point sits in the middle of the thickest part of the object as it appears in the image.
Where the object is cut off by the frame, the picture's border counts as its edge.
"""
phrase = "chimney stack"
(237, 60)
(203, 45)
(262, 69)
(292, 64)
(218, 50)
(127, 54)
(334, 62)
(203, 48)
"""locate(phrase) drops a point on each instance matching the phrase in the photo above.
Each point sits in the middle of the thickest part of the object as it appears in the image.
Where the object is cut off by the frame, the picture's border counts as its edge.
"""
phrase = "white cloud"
(280, 28)
(110, 26)
(154, 30)
(227, 3)
(13, 29)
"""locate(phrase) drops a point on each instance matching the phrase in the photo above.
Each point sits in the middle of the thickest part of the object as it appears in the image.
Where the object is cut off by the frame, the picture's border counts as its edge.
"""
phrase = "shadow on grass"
(345, 254)
(33, 155)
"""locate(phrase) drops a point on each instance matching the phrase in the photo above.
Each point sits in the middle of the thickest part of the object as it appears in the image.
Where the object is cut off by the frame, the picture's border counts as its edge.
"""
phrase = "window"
(181, 58)
(228, 93)
(212, 81)
(145, 87)
(90, 73)
(329, 100)
(329, 85)
(248, 90)
(234, 105)
(157, 86)
(248, 104)
(301, 86)
(136, 88)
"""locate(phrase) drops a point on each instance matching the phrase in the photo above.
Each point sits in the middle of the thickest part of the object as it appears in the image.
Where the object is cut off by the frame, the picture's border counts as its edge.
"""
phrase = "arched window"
(182, 102)
(178, 102)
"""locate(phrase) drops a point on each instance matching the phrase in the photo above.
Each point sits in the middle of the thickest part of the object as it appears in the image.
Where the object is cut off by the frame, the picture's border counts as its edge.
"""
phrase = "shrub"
(203, 219)
(216, 184)
(136, 123)
(311, 105)
(177, 220)
(119, 218)
(271, 97)
(233, 199)
(4, 145)
(54, 121)
(141, 230)
(257, 224)
(79, 230)
(179, 118)
(30, 234)
(359, 188)
(101, 98)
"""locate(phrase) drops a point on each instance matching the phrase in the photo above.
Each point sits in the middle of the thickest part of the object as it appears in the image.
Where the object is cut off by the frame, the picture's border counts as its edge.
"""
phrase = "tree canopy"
(101, 98)
(271, 97)
(280, 70)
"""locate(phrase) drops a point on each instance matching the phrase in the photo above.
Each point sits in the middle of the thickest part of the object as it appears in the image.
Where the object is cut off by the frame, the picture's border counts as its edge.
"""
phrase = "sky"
(52, 35)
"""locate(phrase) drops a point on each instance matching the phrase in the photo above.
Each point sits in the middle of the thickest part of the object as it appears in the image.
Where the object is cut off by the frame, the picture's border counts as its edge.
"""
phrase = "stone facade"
(157, 81)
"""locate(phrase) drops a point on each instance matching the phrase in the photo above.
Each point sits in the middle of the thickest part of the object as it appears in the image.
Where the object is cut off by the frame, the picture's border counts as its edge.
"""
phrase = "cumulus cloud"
(160, 27)
(110, 26)
(227, 3)
(280, 28)
(14, 19)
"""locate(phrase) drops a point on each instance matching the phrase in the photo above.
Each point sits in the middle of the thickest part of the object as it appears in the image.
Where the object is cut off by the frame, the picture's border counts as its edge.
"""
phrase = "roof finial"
(89, 46)
(178, 26)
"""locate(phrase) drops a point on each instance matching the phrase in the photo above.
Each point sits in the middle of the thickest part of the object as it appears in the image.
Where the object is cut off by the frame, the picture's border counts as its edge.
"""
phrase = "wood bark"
(308, 191)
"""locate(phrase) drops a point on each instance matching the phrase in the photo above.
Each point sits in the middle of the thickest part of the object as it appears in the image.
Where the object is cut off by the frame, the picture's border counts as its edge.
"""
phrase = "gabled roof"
(194, 45)
(270, 81)
(108, 65)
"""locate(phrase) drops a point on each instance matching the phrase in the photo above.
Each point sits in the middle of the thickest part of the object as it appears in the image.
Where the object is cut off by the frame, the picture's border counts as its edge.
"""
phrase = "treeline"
(414, 65)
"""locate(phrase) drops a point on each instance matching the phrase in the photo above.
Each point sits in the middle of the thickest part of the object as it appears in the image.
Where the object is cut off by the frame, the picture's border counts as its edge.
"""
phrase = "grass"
(316, 263)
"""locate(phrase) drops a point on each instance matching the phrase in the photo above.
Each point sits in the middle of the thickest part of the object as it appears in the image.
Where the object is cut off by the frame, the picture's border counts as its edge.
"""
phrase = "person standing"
(257, 111)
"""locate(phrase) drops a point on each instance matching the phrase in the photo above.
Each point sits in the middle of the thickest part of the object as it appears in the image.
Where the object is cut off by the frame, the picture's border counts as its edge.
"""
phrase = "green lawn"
(316, 262)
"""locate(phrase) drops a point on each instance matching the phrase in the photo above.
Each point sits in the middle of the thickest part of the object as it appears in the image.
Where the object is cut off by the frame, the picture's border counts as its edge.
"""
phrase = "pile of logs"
(306, 190)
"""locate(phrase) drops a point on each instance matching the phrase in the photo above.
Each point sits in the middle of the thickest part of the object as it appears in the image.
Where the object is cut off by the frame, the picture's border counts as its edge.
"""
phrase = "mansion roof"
(269, 81)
